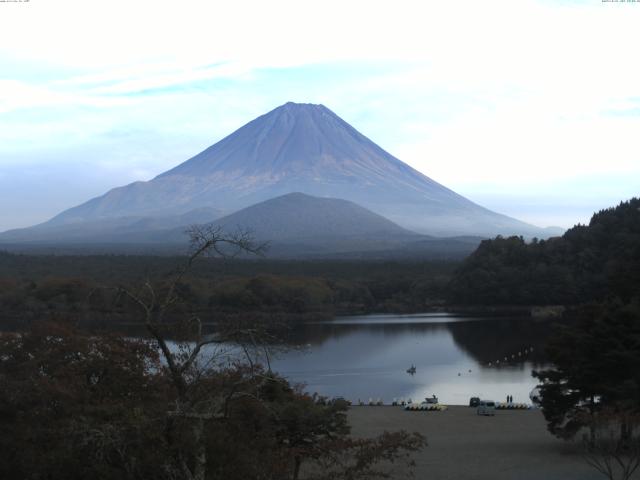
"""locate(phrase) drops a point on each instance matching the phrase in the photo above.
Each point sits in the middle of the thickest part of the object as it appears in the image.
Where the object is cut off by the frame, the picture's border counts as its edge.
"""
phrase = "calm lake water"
(362, 357)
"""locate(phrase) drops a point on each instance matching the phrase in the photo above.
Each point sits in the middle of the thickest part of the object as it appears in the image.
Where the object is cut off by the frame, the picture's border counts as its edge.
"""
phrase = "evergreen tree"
(596, 366)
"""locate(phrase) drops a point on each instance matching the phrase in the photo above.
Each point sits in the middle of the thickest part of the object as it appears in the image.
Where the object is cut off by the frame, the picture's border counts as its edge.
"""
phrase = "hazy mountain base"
(295, 225)
(116, 229)
(446, 249)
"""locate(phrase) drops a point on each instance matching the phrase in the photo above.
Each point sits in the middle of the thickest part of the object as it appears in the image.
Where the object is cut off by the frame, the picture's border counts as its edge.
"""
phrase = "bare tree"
(319, 433)
(182, 358)
(613, 445)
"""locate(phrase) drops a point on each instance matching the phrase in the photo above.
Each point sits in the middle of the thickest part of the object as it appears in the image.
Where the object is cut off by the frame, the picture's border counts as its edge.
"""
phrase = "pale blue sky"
(531, 108)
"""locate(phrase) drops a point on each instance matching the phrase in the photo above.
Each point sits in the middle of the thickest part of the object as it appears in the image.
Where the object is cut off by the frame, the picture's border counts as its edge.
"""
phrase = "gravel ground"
(512, 445)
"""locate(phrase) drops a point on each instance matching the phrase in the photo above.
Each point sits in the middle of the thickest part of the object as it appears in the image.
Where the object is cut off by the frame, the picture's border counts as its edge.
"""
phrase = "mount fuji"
(294, 148)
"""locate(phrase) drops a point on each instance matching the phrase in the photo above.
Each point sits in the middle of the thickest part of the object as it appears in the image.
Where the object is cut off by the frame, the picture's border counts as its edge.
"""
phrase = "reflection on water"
(364, 357)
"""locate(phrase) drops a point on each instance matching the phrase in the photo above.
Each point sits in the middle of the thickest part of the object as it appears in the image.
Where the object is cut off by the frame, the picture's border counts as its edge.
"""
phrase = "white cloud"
(524, 145)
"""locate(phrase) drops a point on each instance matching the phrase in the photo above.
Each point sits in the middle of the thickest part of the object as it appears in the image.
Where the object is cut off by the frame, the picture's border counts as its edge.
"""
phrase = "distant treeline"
(86, 287)
(588, 263)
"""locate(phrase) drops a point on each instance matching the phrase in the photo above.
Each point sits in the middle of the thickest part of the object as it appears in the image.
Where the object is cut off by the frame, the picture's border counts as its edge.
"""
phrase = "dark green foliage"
(83, 288)
(290, 434)
(596, 362)
(588, 263)
(278, 429)
(74, 406)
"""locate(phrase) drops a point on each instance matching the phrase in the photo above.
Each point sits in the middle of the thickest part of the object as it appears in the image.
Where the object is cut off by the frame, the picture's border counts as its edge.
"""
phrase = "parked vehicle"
(486, 407)
(474, 401)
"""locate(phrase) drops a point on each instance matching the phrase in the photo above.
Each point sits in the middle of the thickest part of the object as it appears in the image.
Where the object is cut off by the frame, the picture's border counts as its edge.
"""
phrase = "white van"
(486, 407)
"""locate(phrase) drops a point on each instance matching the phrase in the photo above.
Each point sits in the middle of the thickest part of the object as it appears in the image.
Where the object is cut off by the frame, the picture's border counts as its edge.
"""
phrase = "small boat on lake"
(412, 370)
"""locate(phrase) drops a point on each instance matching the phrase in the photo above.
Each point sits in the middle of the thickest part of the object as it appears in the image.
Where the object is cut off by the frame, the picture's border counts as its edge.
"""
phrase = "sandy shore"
(512, 445)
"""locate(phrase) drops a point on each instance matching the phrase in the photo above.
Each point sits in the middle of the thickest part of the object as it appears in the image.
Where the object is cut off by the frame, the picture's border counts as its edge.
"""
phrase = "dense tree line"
(86, 293)
(588, 263)
(596, 358)
(592, 391)
(110, 267)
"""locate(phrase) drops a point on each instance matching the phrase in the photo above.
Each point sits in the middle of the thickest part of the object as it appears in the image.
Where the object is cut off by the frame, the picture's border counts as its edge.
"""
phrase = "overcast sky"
(531, 108)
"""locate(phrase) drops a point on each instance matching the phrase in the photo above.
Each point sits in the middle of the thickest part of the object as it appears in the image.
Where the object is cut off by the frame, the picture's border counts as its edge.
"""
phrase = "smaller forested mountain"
(588, 263)
(296, 216)
(295, 225)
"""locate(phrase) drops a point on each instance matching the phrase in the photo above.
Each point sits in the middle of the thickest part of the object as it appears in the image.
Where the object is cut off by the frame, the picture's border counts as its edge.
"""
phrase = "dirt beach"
(512, 445)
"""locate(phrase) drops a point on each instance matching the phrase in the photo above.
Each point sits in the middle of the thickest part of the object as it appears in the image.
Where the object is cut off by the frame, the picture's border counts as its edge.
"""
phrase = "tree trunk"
(625, 434)
(296, 467)
(592, 435)
(200, 450)
(592, 423)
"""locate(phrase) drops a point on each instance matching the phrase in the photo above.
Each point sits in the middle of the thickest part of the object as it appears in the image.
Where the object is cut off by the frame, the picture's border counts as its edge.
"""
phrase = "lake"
(456, 357)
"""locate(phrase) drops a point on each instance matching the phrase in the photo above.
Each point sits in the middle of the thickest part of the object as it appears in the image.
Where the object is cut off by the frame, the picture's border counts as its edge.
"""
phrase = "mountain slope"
(300, 148)
(109, 229)
(295, 225)
(299, 216)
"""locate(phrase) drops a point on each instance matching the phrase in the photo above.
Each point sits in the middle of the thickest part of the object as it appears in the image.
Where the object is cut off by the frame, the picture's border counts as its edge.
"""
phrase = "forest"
(588, 263)
(84, 288)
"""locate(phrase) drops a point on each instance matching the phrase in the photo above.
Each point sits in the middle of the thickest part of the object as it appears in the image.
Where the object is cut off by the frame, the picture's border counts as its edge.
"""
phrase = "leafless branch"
(156, 302)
